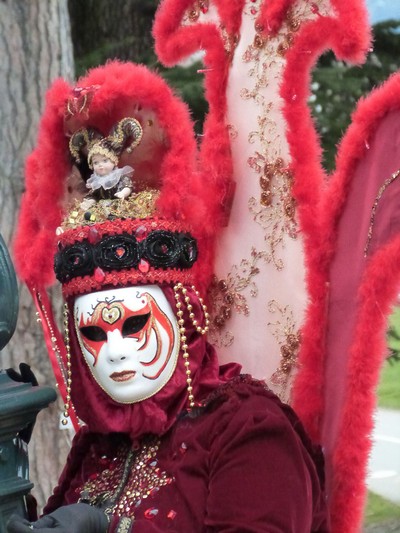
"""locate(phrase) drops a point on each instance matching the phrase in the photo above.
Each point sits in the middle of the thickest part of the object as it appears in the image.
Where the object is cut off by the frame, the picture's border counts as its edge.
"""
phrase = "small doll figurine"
(107, 181)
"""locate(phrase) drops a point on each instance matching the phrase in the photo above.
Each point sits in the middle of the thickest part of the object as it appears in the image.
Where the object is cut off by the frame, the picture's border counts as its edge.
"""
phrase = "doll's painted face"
(102, 165)
(129, 338)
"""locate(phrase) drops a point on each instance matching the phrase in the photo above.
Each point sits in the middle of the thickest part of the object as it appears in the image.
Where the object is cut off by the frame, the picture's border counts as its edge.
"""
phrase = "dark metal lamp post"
(20, 403)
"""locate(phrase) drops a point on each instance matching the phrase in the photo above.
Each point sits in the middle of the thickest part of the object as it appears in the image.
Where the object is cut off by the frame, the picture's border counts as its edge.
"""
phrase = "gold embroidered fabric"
(137, 205)
(127, 478)
(288, 338)
(227, 295)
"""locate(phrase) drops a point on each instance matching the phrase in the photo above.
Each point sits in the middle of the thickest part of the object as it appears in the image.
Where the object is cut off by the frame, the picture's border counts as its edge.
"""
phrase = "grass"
(379, 510)
(389, 386)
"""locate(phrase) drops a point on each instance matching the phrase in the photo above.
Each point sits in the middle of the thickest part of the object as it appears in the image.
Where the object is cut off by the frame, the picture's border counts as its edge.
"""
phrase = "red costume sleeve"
(263, 477)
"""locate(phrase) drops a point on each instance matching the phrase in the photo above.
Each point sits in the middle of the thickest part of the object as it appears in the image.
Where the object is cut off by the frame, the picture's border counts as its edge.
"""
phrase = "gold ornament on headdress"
(111, 146)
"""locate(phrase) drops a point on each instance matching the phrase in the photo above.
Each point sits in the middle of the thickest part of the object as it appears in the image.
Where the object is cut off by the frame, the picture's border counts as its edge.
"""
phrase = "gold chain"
(179, 288)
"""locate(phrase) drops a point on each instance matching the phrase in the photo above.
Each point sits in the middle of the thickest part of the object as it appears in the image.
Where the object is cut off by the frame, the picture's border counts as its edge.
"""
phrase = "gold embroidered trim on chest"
(127, 479)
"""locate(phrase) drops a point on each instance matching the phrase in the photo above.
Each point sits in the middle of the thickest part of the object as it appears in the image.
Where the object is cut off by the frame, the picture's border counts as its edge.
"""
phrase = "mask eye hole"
(134, 324)
(93, 333)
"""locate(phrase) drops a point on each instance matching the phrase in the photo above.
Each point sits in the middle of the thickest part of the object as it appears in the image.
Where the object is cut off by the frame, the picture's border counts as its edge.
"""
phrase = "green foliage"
(111, 49)
(389, 386)
(336, 87)
(188, 83)
(393, 335)
(380, 511)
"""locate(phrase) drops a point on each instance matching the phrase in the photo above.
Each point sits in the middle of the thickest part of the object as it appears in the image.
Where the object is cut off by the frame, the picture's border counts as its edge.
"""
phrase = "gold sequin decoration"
(124, 525)
(137, 205)
(383, 188)
(142, 474)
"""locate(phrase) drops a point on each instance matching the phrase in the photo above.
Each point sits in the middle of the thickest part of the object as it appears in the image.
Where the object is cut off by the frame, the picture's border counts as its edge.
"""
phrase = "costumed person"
(169, 440)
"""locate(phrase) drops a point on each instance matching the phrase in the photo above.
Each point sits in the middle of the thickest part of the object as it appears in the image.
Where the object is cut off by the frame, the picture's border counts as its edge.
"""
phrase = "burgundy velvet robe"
(240, 463)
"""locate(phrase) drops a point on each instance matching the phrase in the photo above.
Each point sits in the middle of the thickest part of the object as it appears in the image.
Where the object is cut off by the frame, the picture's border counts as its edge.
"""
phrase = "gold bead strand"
(67, 404)
(199, 329)
(184, 346)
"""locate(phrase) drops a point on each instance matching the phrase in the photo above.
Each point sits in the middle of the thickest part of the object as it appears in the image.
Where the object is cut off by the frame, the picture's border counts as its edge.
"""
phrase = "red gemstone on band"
(99, 275)
(93, 235)
(141, 231)
(144, 266)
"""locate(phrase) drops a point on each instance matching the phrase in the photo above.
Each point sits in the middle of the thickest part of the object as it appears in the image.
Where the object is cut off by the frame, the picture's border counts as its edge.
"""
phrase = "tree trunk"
(36, 47)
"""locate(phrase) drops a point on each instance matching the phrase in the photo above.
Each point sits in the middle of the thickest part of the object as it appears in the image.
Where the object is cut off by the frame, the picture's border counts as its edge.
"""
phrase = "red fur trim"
(40, 210)
(308, 388)
(369, 113)
(347, 34)
(351, 34)
(355, 145)
(378, 290)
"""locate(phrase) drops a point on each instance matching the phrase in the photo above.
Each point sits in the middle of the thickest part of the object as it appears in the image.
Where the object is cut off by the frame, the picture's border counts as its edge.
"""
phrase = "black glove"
(75, 518)
(25, 376)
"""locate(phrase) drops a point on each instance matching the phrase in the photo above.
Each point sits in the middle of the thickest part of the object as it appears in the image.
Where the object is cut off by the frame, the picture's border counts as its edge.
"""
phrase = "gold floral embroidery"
(227, 295)
(275, 208)
(284, 331)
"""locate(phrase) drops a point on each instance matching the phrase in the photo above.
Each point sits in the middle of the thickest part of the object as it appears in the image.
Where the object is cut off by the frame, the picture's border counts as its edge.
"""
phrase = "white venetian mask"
(130, 340)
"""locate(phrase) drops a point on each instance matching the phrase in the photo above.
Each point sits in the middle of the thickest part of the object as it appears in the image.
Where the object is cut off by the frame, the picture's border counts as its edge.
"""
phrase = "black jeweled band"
(161, 249)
